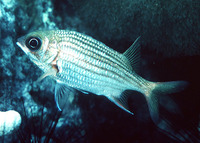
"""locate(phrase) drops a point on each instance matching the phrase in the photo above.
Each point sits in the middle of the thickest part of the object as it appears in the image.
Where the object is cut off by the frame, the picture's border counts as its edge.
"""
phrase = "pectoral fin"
(63, 95)
(122, 102)
(50, 72)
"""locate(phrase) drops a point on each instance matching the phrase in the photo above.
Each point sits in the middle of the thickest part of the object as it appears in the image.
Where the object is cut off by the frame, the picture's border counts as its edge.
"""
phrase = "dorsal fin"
(133, 54)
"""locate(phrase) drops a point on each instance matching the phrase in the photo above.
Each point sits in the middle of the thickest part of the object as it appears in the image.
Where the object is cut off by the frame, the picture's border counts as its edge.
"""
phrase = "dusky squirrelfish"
(77, 61)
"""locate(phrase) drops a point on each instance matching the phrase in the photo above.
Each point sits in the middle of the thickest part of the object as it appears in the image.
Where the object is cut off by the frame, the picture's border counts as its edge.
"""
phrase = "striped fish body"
(87, 64)
(77, 61)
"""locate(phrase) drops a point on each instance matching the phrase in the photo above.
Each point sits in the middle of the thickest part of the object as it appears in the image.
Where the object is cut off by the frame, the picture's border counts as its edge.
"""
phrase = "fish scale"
(76, 55)
(94, 47)
(82, 74)
(92, 78)
(92, 58)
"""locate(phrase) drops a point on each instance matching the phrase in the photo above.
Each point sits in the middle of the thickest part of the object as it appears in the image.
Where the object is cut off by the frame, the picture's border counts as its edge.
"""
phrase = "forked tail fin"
(161, 88)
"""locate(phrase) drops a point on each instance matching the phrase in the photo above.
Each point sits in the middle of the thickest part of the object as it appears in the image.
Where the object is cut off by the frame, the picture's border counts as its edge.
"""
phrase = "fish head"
(40, 47)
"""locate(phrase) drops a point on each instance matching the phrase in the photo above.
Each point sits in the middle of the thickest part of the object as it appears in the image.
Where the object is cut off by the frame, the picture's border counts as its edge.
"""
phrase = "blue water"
(170, 50)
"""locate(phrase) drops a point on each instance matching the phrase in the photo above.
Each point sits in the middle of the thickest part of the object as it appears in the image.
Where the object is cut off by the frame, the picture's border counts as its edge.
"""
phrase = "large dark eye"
(33, 43)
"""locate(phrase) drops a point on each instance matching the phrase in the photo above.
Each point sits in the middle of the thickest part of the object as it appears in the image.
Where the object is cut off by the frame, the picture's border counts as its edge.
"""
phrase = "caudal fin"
(162, 88)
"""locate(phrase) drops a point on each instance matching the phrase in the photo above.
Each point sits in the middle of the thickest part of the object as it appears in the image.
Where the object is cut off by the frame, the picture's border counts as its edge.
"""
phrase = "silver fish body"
(80, 62)
(87, 64)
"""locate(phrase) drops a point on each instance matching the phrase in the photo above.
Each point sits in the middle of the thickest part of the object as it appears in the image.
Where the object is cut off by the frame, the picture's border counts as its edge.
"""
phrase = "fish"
(78, 62)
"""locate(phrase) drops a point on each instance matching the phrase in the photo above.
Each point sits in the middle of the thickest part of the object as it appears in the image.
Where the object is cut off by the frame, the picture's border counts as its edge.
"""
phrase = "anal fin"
(122, 102)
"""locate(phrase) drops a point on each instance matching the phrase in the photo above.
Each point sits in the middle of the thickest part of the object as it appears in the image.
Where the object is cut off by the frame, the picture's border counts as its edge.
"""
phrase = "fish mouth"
(20, 40)
(21, 43)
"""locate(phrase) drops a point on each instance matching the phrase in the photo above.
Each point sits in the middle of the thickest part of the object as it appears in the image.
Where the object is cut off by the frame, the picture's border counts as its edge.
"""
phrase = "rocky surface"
(170, 51)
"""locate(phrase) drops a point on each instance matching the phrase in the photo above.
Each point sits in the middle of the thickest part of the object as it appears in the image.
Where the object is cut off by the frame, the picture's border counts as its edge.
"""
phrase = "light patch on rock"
(9, 121)
(45, 16)
(8, 3)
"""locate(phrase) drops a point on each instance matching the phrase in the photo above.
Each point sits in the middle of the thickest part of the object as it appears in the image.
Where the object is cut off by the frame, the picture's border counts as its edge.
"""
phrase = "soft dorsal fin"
(122, 101)
(133, 54)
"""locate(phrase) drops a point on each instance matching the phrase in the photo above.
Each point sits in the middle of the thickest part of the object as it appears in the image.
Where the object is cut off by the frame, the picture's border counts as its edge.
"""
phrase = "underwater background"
(170, 50)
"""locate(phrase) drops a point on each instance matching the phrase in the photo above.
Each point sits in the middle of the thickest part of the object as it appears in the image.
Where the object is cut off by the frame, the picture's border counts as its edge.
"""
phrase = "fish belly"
(79, 77)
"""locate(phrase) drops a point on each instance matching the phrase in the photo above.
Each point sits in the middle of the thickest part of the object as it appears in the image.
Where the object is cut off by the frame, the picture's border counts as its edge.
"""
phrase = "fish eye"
(33, 43)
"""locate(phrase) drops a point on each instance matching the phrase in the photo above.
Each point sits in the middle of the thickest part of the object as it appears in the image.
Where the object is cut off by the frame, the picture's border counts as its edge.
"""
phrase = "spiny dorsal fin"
(133, 54)
(122, 102)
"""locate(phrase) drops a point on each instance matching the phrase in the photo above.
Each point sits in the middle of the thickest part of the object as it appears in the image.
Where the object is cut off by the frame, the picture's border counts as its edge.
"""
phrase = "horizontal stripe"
(95, 54)
(101, 72)
(90, 44)
(78, 77)
(95, 60)
(101, 48)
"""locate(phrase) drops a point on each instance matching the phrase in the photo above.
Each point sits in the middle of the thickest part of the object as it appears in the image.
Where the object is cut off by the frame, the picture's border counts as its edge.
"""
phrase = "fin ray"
(122, 102)
(63, 95)
(50, 72)
(160, 89)
(133, 54)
